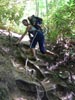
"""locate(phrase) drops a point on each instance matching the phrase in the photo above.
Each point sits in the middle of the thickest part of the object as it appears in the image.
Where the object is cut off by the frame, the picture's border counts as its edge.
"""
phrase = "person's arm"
(22, 36)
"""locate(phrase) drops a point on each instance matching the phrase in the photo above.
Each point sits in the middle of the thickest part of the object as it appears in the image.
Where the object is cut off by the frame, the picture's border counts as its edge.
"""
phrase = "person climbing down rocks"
(36, 36)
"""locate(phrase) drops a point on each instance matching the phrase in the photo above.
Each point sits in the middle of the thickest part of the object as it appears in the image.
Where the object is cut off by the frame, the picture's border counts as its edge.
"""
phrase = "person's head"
(25, 22)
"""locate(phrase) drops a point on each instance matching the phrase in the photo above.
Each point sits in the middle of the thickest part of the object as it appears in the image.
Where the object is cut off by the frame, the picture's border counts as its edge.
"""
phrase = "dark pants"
(38, 37)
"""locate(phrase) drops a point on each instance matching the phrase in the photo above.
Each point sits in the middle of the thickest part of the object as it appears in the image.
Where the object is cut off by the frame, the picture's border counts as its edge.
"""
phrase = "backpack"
(37, 20)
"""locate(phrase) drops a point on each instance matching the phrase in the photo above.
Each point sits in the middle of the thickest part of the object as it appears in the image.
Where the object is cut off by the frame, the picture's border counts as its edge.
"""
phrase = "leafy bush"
(11, 14)
(61, 20)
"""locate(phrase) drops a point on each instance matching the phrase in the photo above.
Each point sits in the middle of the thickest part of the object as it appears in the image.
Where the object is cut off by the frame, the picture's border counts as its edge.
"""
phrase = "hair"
(24, 20)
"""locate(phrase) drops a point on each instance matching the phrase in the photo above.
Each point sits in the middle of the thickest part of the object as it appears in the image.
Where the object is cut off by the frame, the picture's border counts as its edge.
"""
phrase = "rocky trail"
(22, 78)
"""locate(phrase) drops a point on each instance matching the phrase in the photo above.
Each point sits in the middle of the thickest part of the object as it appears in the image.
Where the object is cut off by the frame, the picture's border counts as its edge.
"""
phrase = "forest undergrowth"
(53, 76)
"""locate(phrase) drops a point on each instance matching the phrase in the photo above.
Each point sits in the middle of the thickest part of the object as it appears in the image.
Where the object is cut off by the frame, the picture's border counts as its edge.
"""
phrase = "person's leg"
(33, 52)
(41, 42)
(50, 53)
(32, 46)
(43, 50)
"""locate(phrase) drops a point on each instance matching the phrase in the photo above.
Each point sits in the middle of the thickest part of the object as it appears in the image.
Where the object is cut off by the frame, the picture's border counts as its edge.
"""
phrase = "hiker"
(36, 36)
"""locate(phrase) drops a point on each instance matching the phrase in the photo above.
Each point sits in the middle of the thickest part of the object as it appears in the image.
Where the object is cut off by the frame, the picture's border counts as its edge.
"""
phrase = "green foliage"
(10, 14)
(61, 19)
(59, 16)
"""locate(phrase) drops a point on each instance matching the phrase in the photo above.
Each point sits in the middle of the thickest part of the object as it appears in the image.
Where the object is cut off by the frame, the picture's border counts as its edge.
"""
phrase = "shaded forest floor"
(22, 78)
